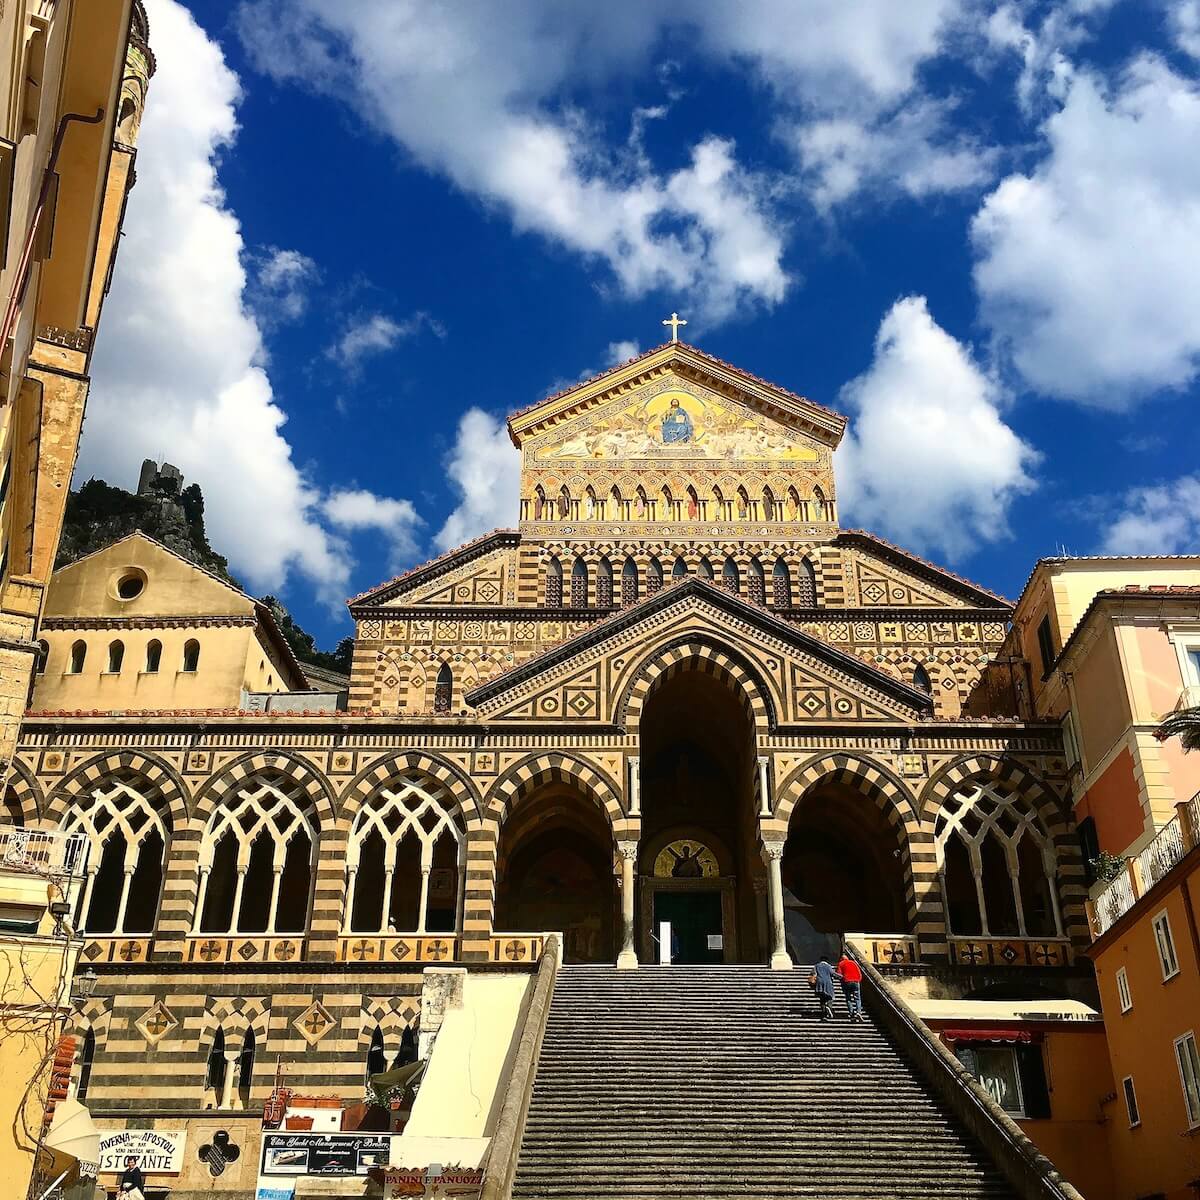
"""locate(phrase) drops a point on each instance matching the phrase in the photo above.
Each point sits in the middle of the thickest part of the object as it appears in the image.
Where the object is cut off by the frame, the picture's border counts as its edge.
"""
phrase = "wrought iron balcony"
(43, 852)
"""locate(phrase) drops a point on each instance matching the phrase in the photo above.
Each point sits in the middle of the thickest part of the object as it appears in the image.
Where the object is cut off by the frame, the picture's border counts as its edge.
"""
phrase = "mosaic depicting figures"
(678, 424)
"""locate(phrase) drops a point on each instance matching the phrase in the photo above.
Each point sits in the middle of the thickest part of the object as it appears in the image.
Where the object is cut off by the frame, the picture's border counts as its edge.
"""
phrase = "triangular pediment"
(720, 411)
(802, 679)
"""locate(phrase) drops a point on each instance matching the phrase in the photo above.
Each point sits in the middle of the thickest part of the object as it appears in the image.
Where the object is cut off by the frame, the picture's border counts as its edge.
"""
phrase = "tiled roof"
(442, 560)
(1054, 560)
(720, 362)
(892, 548)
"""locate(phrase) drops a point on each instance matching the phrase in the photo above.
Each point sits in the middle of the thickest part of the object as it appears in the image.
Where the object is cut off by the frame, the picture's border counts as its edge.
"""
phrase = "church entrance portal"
(699, 862)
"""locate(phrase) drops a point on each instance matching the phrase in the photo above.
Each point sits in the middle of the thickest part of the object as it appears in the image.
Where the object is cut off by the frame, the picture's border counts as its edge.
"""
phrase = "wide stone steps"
(666, 1083)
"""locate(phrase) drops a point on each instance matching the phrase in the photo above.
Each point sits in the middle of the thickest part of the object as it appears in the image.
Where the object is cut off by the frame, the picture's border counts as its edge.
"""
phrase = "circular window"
(131, 585)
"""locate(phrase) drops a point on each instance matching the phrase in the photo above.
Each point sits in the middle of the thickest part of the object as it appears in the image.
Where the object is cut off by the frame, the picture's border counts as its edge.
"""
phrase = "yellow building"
(136, 627)
(1113, 647)
(75, 79)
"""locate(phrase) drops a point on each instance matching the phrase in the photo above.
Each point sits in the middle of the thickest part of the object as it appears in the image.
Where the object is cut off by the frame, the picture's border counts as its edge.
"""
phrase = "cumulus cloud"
(377, 333)
(928, 460)
(1088, 267)
(282, 280)
(179, 372)
(485, 470)
(1184, 20)
(354, 509)
(498, 108)
(1164, 519)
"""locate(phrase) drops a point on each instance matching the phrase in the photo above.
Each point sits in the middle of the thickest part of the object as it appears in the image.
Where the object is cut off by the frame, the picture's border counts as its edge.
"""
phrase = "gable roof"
(261, 611)
(677, 594)
(823, 422)
(381, 593)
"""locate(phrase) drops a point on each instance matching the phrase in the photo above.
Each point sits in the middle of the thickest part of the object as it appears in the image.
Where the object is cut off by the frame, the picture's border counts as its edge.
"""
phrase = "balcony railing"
(1188, 698)
(43, 851)
(1169, 846)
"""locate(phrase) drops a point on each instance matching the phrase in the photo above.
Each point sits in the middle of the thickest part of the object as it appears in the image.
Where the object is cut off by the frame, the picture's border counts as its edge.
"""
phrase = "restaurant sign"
(158, 1151)
(324, 1153)
(464, 1183)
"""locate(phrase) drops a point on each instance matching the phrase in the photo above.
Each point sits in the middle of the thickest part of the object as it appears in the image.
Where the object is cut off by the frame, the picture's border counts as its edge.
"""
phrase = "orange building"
(1147, 959)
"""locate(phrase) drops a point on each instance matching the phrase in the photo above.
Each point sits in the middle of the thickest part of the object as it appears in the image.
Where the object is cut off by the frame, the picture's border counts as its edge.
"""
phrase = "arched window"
(443, 689)
(806, 585)
(376, 1055)
(191, 655)
(679, 568)
(730, 580)
(153, 656)
(554, 589)
(757, 585)
(403, 863)
(579, 584)
(78, 658)
(564, 501)
(819, 505)
(116, 656)
(921, 679)
(43, 655)
(768, 502)
(654, 576)
(214, 1074)
(256, 860)
(705, 570)
(997, 863)
(127, 840)
(245, 1076)
(604, 583)
(87, 1056)
(629, 581)
(781, 585)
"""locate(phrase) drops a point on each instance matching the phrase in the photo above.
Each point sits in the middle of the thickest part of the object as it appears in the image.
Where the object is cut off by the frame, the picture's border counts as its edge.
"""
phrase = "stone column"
(231, 1062)
(772, 855)
(627, 959)
(635, 786)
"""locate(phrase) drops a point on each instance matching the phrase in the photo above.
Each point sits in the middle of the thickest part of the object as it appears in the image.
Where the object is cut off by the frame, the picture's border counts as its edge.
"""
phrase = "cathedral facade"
(676, 696)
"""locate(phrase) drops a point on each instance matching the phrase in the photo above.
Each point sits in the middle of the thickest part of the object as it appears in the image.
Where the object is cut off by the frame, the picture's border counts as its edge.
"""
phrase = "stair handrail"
(501, 1167)
(1027, 1169)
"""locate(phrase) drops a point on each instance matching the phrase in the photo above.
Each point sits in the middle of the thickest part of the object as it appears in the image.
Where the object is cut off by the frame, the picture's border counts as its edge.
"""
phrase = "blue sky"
(363, 232)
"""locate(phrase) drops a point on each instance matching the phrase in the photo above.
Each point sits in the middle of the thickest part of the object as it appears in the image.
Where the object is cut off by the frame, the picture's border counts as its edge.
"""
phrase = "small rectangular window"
(1193, 658)
(1070, 741)
(1189, 1076)
(1165, 944)
(1046, 645)
(1131, 1107)
(1123, 994)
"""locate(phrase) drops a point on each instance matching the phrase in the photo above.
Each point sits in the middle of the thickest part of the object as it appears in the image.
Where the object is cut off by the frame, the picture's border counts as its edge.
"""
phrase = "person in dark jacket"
(821, 980)
(132, 1184)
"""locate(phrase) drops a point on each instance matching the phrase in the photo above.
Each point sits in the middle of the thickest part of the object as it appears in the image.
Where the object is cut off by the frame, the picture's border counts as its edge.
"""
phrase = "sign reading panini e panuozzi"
(158, 1151)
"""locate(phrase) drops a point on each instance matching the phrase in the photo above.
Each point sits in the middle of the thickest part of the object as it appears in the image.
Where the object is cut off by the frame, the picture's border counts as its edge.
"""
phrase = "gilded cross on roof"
(675, 323)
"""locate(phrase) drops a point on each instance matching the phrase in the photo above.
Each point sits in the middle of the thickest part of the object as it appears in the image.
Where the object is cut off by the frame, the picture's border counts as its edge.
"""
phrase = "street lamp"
(83, 985)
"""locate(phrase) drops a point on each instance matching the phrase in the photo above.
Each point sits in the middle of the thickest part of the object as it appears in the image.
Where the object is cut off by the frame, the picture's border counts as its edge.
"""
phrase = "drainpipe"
(23, 270)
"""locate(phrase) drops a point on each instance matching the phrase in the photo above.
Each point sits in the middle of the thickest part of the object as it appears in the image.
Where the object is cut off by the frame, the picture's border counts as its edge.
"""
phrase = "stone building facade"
(677, 692)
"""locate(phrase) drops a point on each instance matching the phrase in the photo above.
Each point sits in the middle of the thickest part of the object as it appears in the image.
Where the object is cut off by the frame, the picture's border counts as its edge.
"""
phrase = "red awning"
(990, 1035)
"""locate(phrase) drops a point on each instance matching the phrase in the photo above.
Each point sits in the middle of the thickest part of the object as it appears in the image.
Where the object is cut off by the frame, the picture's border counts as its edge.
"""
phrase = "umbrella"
(72, 1134)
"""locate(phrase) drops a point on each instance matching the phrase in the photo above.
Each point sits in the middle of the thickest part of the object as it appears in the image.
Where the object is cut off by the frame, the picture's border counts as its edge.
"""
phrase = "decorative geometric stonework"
(155, 1023)
(314, 1023)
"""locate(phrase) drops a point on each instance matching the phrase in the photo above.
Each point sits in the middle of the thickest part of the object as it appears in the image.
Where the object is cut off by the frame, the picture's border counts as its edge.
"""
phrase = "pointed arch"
(590, 501)
(679, 568)
(768, 503)
(693, 504)
(78, 657)
(819, 503)
(668, 504)
(116, 656)
(553, 582)
(564, 502)
(537, 770)
(756, 585)
(654, 576)
(730, 578)
(781, 584)
(705, 568)
(539, 502)
(806, 584)
(793, 504)
(743, 504)
(159, 778)
(719, 513)
(618, 511)
(629, 581)
(24, 801)
(604, 583)
(921, 680)
(579, 583)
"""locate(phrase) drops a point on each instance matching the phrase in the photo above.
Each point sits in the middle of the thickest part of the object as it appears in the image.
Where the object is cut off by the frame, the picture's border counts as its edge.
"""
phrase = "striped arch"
(1072, 878)
(539, 769)
(891, 795)
(236, 1014)
(157, 773)
(456, 782)
(312, 783)
(22, 788)
(693, 652)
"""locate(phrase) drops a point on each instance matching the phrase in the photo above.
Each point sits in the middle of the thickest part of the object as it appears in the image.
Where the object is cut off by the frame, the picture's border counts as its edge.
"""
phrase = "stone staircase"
(722, 1082)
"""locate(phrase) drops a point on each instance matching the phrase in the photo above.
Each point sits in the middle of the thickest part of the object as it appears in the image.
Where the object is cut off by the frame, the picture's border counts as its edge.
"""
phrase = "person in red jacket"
(850, 973)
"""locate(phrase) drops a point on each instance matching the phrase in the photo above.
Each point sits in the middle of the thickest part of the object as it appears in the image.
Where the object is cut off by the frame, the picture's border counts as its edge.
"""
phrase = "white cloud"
(1088, 268)
(912, 150)
(1158, 520)
(621, 352)
(928, 460)
(354, 509)
(485, 469)
(377, 333)
(178, 371)
(498, 108)
(281, 284)
(1183, 17)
